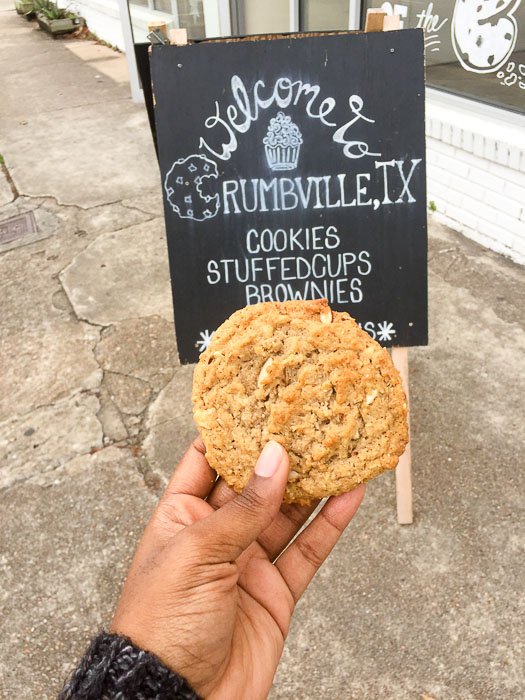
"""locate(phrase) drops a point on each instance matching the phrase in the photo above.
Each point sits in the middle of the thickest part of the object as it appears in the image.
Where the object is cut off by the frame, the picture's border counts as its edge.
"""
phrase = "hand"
(210, 590)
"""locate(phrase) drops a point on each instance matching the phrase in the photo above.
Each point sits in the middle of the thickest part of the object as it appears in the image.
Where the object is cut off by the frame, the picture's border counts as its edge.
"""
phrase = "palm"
(243, 629)
(263, 606)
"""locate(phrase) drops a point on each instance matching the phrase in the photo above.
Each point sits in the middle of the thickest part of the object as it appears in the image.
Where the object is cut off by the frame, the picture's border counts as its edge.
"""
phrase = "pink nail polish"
(269, 459)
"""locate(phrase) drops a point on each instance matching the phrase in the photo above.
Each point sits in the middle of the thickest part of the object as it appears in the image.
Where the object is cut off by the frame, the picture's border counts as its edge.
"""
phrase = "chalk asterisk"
(385, 331)
(205, 340)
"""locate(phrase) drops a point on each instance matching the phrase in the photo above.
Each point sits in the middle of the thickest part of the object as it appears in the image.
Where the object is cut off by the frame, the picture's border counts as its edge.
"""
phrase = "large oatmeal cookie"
(310, 378)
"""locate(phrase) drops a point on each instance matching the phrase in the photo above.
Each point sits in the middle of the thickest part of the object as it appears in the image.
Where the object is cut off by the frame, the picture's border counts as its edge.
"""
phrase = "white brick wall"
(476, 172)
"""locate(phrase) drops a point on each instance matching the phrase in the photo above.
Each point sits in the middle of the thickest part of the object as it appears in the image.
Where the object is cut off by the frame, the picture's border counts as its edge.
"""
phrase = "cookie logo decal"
(187, 187)
(484, 33)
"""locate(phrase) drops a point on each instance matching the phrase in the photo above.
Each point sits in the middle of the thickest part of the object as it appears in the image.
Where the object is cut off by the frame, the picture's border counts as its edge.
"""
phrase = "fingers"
(286, 524)
(227, 532)
(284, 527)
(193, 475)
(300, 562)
(181, 502)
(220, 494)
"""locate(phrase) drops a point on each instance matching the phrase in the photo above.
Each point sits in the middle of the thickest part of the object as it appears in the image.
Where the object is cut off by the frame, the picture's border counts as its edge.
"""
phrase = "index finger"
(299, 563)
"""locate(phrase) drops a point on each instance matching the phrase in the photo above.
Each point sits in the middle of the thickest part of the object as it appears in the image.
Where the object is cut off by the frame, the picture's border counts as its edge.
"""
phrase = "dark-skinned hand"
(214, 581)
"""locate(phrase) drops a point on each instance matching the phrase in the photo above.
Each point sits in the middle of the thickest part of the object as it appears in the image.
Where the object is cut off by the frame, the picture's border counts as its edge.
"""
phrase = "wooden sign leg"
(404, 467)
(378, 21)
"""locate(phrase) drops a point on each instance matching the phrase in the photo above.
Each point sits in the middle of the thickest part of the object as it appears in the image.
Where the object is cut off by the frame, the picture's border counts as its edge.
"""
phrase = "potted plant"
(25, 7)
(56, 20)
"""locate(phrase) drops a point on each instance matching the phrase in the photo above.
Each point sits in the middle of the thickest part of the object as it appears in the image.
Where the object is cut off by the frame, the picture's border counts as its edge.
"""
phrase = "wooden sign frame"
(378, 21)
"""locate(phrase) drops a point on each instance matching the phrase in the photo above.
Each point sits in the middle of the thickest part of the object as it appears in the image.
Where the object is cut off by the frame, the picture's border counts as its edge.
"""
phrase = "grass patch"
(2, 161)
(432, 205)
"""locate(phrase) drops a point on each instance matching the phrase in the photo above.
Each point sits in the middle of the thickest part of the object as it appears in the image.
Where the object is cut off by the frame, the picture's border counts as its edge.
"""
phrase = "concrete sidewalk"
(95, 411)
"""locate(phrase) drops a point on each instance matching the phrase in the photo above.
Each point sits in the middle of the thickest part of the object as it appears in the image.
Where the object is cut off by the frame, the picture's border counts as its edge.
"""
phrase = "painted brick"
(446, 132)
(515, 192)
(468, 188)
(472, 159)
(457, 137)
(482, 198)
(482, 177)
(462, 217)
(518, 178)
(490, 151)
(496, 233)
(437, 174)
(432, 156)
(505, 204)
(468, 141)
(519, 247)
(516, 159)
(502, 154)
(444, 148)
(482, 210)
(510, 225)
(453, 165)
(435, 129)
(479, 145)
(442, 193)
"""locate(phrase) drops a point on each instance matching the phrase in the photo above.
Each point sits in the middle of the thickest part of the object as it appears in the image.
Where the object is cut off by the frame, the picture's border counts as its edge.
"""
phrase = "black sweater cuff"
(113, 668)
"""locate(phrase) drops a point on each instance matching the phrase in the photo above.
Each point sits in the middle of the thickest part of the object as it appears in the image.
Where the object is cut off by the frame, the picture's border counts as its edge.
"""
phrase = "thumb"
(227, 532)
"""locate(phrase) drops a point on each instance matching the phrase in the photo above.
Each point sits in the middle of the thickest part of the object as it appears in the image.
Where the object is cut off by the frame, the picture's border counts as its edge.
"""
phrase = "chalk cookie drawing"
(484, 33)
(185, 186)
(282, 143)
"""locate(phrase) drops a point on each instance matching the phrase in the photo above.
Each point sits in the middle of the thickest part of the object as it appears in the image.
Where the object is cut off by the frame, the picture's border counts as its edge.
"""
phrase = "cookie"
(309, 378)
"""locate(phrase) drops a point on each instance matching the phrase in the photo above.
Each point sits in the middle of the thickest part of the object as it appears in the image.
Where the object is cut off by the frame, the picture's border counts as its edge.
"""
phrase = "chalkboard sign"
(294, 168)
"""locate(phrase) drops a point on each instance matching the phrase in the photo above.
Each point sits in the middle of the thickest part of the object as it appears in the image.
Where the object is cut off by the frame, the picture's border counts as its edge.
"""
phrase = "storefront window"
(323, 15)
(474, 48)
(188, 14)
(256, 17)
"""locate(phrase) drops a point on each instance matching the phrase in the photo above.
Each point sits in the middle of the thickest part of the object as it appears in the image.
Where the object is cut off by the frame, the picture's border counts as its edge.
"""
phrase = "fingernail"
(269, 459)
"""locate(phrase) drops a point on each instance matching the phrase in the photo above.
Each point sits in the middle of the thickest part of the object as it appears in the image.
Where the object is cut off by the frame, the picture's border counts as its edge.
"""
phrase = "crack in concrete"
(43, 476)
(129, 376)
(151, 478)
(142, 211)
(52, 404)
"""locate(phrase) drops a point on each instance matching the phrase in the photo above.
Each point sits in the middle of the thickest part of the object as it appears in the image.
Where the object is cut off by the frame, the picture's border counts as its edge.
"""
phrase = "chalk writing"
(204, 340)
(513, 74)
(284, 181)
(383, 331)
(284, 93)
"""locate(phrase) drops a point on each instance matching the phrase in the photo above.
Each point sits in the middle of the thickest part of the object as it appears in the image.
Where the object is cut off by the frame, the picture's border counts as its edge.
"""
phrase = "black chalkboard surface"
(294, 168)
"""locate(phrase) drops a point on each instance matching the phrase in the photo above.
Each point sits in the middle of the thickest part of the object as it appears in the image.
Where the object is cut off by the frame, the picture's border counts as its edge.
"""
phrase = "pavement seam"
(105, 102)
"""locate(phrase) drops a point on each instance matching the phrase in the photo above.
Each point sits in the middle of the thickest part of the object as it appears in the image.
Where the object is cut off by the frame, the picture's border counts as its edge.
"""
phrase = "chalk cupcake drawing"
(484, 33)
(282, 143)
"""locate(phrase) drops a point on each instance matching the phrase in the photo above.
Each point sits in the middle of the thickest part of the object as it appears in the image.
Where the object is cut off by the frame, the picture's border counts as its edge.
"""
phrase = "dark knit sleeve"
(113, 668)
